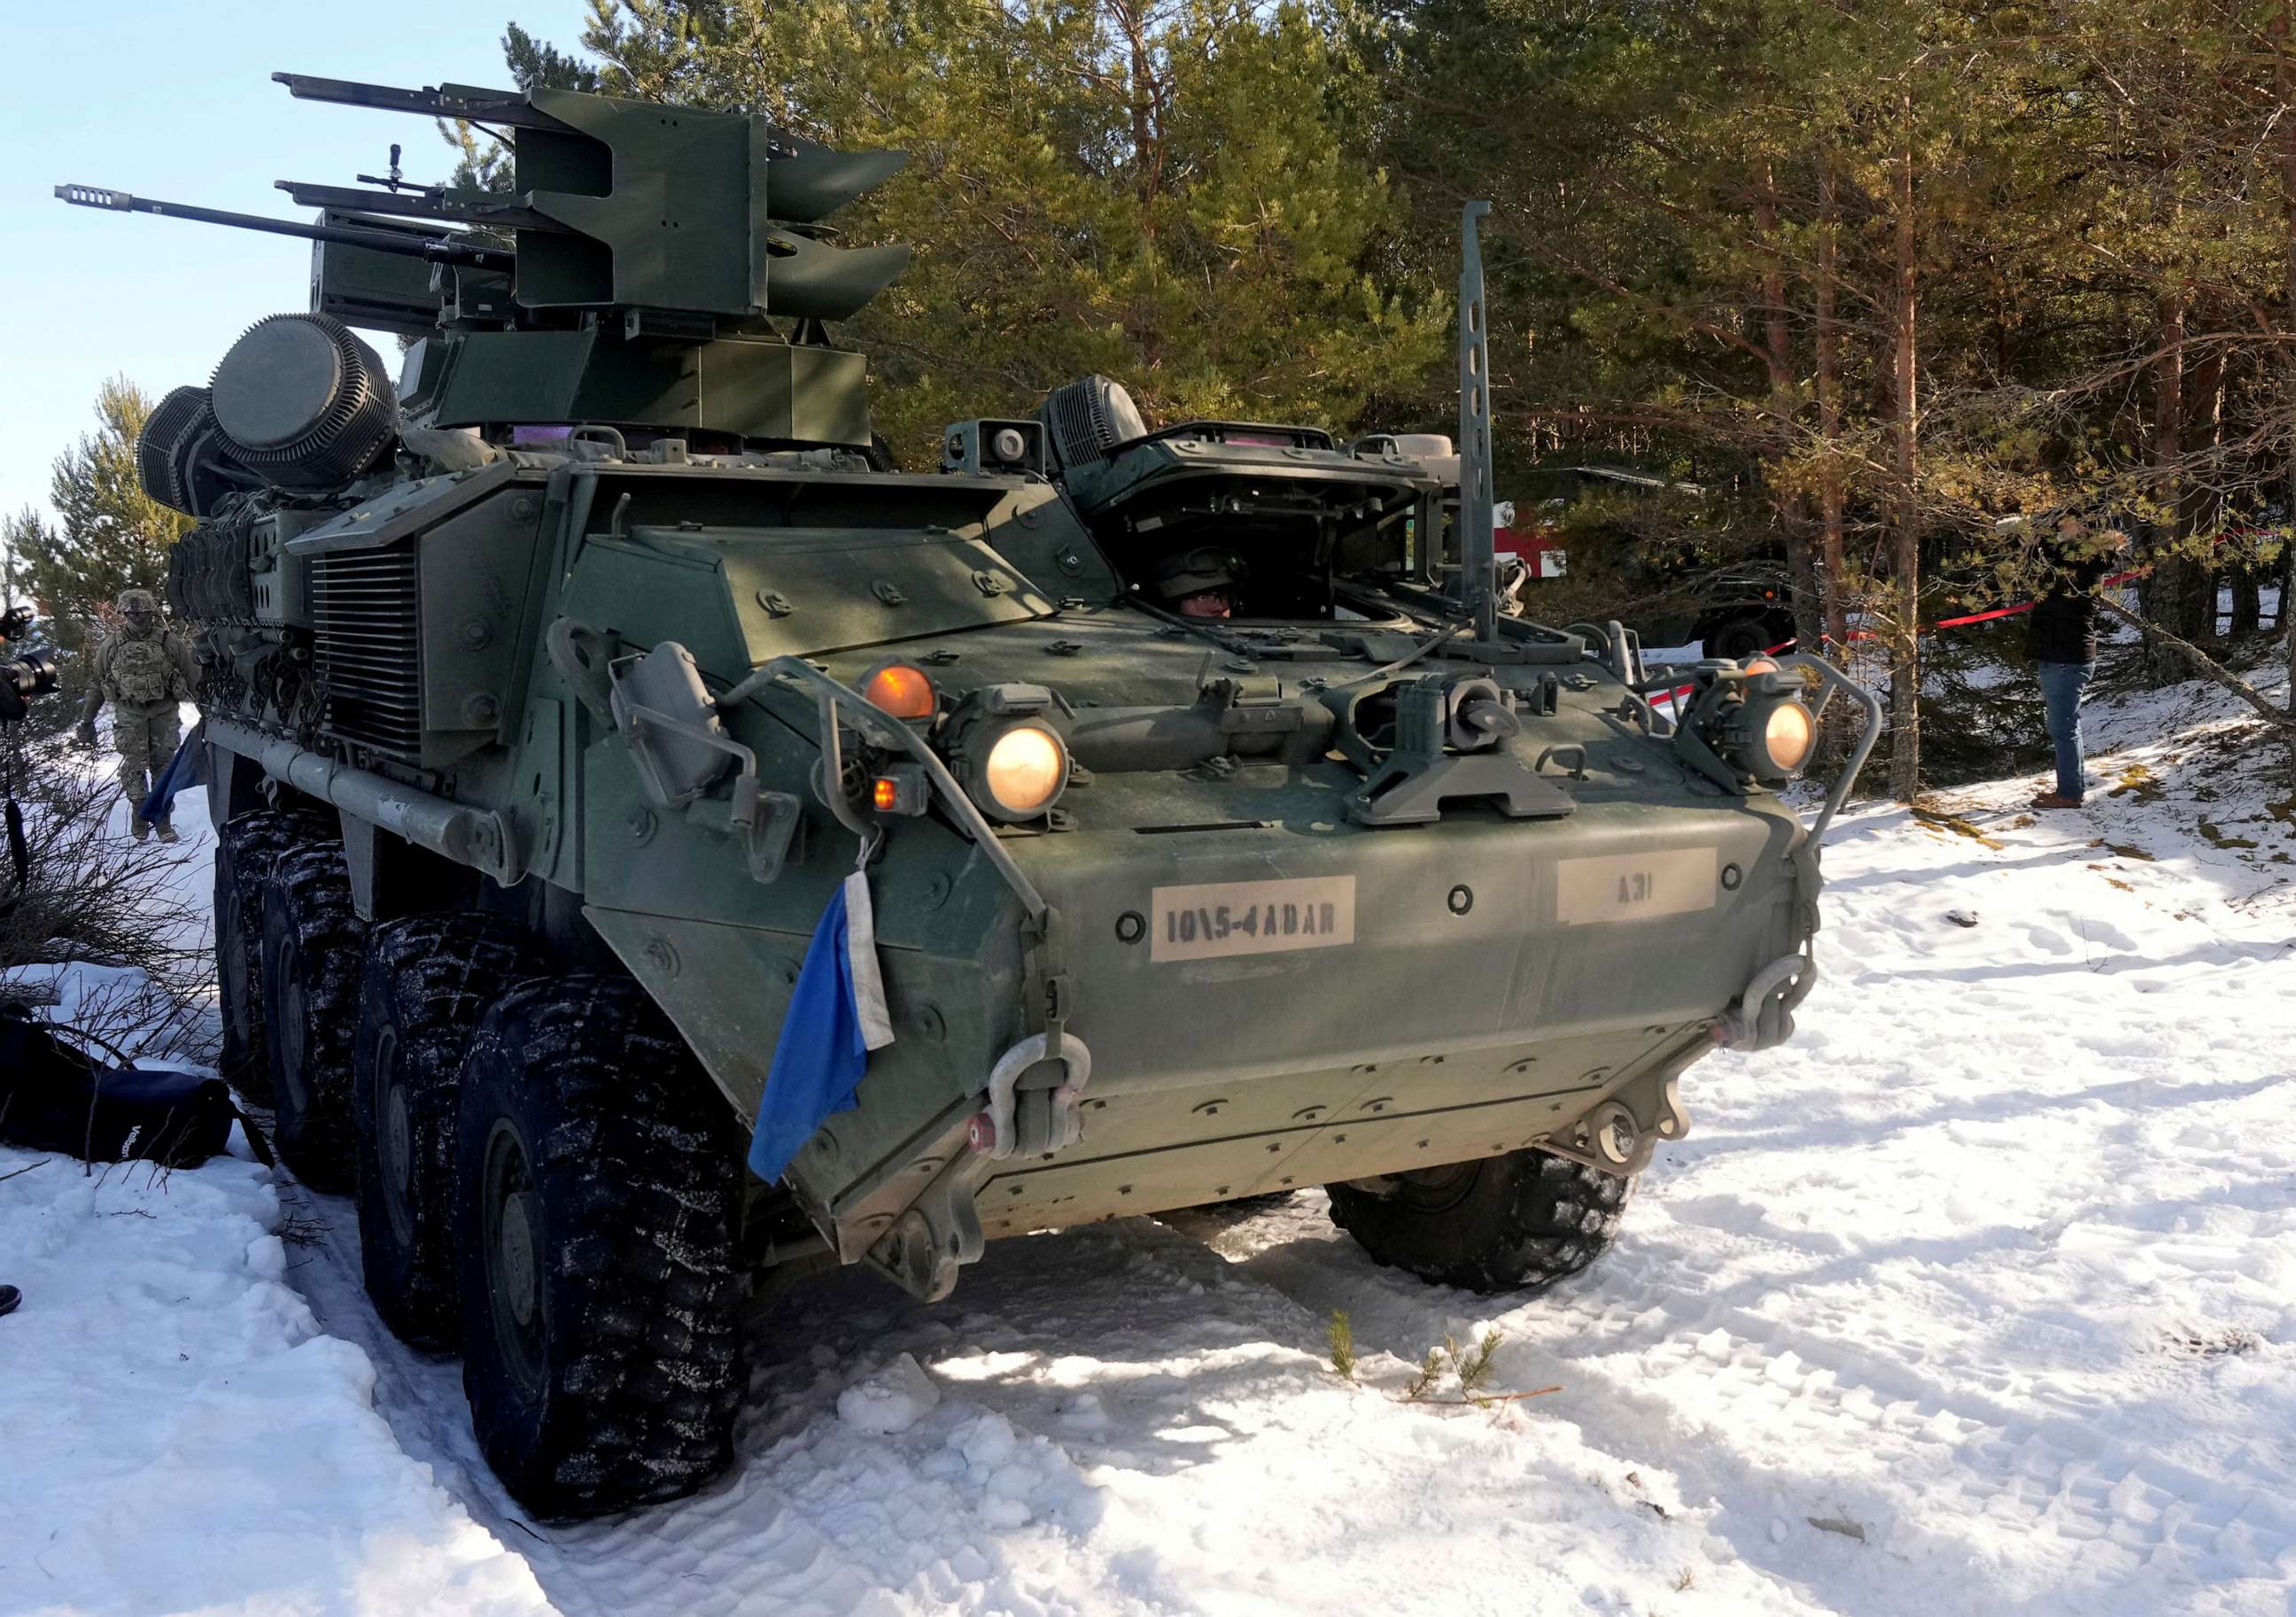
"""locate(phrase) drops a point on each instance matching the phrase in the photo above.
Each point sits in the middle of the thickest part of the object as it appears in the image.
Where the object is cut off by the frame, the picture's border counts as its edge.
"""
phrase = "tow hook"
(995, 1130)
(1763, 1017)
(1613, 1139)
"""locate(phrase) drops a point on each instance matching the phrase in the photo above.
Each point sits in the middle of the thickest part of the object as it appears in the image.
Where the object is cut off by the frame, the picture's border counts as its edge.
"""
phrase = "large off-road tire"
(1740, 638)
(1517, 1223)
(311, 945)
(426, 982)
(247, 848)
(598, 1180)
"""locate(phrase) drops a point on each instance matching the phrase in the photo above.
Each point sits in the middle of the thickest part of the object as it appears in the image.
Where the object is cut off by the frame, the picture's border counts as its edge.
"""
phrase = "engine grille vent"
(369, 649)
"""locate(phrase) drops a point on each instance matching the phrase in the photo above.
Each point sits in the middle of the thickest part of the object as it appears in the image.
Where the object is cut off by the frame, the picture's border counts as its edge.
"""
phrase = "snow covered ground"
(176, 1432)
(1980, 1297)
(177, 1436)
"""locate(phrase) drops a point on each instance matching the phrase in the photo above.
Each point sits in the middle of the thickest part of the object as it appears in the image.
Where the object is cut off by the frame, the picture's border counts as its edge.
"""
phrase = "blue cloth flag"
(188, 767)
(836, 1016)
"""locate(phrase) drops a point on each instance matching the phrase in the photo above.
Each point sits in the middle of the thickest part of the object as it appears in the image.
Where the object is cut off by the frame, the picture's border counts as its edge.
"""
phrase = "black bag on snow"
(55, 1099)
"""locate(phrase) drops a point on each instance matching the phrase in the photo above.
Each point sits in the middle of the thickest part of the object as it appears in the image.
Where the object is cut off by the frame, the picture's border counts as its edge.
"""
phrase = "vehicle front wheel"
(427, 981)
(1516, 1222)
(1740, 638)
(598, 1180)
(247, 846)
(310, 976)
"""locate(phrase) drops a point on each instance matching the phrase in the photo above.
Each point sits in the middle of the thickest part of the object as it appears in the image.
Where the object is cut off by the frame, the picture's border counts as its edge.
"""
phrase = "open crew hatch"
(1244, 519)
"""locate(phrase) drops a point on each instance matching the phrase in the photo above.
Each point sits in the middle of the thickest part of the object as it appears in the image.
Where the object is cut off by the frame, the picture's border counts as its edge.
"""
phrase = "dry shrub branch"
(94, 898)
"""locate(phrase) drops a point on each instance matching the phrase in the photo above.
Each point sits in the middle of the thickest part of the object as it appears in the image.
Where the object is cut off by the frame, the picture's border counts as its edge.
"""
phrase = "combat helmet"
(1193, 573)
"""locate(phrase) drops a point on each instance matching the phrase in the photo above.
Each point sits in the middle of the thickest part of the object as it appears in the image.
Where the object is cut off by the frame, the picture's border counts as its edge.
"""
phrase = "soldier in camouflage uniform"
(144, 671)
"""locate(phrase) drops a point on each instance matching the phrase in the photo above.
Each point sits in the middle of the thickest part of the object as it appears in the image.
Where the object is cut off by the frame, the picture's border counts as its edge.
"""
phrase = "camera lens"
(29, 676)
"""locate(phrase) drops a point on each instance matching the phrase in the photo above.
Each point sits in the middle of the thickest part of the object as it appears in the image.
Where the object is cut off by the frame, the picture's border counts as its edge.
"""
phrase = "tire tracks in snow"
(737, 1549)
(1972, 1500)
(1165, 1417)
(1721, 1396)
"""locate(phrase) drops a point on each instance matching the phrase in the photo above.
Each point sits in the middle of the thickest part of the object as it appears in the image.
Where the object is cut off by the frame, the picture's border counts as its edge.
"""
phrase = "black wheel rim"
(287, 1033)
(231, 966)
(394, 1141)
(511, 1227)
(1434, 1190)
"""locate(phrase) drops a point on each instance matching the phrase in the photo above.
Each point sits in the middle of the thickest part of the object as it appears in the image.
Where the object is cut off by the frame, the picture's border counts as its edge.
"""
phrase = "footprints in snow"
(2092, 1512)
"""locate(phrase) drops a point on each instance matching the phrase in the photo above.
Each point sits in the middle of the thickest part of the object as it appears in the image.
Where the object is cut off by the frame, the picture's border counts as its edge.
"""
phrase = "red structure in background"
(1539, 550)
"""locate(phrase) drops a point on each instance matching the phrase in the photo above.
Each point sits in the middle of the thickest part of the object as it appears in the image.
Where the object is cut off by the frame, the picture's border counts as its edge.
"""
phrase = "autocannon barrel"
(442, 249)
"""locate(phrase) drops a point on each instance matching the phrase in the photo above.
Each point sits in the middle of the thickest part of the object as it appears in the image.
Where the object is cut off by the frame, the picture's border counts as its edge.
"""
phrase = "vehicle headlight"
(1749, 722)
(1005, 747)
(1770, 732)
(1787, 735)
(1024, 771)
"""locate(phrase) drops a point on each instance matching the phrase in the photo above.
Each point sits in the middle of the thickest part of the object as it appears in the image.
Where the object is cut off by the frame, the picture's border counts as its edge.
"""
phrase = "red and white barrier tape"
(1680, 691)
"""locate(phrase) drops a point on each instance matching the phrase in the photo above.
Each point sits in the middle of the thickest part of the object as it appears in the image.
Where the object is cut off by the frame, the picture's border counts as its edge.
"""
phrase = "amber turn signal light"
(902, 689)
(900, 788)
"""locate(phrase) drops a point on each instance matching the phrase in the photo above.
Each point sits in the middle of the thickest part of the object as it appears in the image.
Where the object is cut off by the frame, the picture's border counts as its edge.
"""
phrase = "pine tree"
(482, 162)
(110, 536)
(1174, 192)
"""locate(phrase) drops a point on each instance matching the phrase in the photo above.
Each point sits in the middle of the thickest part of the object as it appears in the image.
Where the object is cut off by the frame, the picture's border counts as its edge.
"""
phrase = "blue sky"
(175, 101)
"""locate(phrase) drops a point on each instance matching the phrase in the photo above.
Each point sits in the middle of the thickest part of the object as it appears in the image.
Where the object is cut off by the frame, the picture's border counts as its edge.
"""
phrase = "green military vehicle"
(1218, 834)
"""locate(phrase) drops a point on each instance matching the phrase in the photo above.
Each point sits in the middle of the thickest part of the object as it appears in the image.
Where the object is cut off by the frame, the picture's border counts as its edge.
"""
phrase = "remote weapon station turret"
(1214, 832)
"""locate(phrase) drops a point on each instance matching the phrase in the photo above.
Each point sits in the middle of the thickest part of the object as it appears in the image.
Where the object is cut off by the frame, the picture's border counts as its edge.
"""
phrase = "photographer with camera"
(146, 671)
(22, 678)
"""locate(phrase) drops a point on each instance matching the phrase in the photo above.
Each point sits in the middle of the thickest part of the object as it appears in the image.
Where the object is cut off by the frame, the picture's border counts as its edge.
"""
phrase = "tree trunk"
(2284, 82)
(2199, 504)
(1833, 580)
(1777, 351)
(1147, 149)
(1906, 561)
(2175, 595)
(2247, 599)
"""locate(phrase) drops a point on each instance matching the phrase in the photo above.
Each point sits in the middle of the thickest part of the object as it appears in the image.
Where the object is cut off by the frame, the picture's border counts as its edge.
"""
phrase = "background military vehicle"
(552, 697)
(1641, 549)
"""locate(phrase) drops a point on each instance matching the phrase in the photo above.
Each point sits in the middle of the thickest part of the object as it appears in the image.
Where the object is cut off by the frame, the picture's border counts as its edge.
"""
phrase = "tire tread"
(639, 1172)
(426, 981)
(247, 846)
(1532, 1218)
(311, 891)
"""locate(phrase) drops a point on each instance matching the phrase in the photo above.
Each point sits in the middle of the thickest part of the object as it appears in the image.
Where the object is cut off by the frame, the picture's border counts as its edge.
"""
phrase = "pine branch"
(1430, 1371)
(1470, 1370)
(1486, 1400)
(2205, 665)
(1477, 1369)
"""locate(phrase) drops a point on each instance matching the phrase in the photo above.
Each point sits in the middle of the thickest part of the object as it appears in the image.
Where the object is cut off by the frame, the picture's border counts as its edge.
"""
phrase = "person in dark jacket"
(2062, 641)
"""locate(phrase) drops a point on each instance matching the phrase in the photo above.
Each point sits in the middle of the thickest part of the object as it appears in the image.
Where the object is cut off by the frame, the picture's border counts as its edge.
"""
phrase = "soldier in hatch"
(144, 671)
(1199, 583)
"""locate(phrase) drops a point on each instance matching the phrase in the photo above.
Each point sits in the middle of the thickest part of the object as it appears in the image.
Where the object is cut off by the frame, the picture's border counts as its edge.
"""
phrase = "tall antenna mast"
(1477, 510)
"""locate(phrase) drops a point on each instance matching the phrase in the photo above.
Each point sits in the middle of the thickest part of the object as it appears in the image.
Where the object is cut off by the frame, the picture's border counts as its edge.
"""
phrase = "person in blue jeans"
(2062, 641)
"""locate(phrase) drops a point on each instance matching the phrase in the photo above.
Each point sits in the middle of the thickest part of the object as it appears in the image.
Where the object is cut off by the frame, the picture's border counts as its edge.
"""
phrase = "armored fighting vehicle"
(1218, 834)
